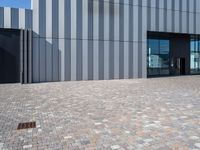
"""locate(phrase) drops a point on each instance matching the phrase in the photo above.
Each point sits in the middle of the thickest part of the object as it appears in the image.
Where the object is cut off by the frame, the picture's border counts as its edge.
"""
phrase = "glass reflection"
(195, 55)
(158, 57)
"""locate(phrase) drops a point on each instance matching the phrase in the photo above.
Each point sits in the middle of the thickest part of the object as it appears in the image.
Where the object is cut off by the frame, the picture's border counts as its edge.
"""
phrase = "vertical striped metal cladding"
(102, 39)
(15, 18)
(26, 56)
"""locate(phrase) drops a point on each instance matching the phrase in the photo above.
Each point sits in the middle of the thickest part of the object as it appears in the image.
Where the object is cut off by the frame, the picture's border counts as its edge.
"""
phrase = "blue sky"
(16, 3)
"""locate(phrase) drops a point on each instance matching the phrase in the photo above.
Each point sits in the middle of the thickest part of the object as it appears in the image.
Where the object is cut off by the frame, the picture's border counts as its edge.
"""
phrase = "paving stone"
(115, 147)
(157, 113)
(197, 145)
(1, 145)
(27, 146)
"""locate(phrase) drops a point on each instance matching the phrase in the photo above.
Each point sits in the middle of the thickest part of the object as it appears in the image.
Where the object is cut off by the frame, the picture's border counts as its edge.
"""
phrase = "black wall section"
(9, 56)
(180, 48)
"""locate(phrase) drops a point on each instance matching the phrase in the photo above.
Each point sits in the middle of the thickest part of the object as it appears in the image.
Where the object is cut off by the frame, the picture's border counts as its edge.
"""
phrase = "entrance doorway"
(9, 56)
(182, 66)
(177, 66)
(168, 54)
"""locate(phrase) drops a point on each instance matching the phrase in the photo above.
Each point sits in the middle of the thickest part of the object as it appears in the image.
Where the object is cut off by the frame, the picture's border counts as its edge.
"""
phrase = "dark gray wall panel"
(67, 60)
(14, 18)
(111, 60)
(55, 57)
(42, 53)
(36, 60)
(1, 17)
(79, 60)
(49, 60)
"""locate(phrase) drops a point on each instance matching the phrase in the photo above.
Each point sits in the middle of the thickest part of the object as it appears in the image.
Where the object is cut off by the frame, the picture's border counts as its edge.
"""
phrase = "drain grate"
(26, 125)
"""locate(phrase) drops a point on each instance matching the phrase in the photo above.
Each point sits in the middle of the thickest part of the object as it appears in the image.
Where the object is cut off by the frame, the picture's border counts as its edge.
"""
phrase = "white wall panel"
(116, 38)
(136, 19)
(73, 39)
(95, 38)
(61, 39)
(85, 40)
(176, 22)
(126, 43)
(22, 17)
(49, 19)
(7, 17)
(106, 40)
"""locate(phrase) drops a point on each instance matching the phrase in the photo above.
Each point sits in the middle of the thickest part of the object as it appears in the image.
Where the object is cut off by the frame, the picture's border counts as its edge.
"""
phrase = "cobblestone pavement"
(160, 113)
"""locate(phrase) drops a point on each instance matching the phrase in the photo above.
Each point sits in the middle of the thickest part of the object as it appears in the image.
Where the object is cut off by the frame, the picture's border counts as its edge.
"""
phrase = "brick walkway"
(160, 113)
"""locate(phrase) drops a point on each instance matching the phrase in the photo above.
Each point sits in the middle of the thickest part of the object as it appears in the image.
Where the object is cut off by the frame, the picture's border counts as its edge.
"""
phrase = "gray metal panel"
(42, 18)
(49, 18)
(135, 59)
(35, 18)
(90, 38)
(25, 63)
(55, 60)
(121, 60)
(14, 18)
(103, 21)
(55, 19)
(21, 56)
(126, 41)
(73, 40)
(130, 67)
(49, 35)
(85, 40)
(49, 59)
(95, 40)
(42, 53)
(198, 23)
(107, 39)
(101, 60)
(1, 17)
(68, 12)
(79, 40)
(28, 19)
(61, 19)
(79, 60)
(36, 60)
(67, 60)
(30, 57)
(61, 40)
(198, 4)
(111, 59)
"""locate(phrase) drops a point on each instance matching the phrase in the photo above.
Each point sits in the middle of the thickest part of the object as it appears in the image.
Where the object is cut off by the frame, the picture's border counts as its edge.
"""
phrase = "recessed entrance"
(168, 54)
(9, 56)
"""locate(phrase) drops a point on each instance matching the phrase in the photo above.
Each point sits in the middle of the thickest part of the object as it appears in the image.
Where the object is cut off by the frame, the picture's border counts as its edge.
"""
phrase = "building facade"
(108, 39)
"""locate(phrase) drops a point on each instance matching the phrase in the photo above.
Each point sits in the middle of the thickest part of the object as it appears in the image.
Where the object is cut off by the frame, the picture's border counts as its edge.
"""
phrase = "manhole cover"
(26, 125)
